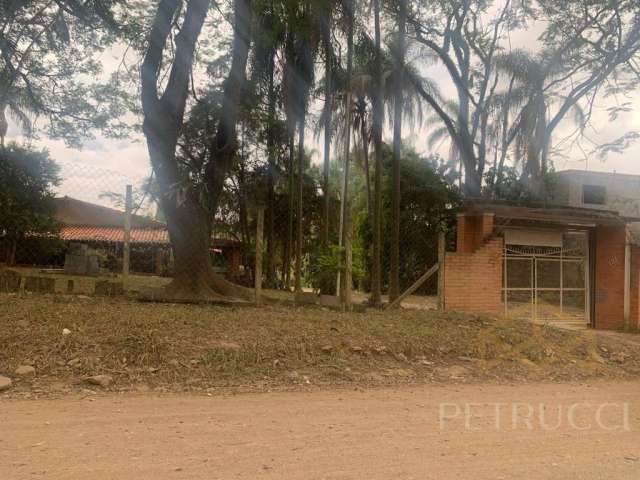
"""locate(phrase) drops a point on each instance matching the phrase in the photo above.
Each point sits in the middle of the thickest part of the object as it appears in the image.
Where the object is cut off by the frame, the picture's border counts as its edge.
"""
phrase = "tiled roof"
(157, 236)
(71, 211)
(149, 236)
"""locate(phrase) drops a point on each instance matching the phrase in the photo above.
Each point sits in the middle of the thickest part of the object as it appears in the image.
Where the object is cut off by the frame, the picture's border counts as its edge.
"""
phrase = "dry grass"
(189, 347)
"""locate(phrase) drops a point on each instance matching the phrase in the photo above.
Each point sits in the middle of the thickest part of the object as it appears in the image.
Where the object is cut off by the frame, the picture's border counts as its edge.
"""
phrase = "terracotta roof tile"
(158, 236)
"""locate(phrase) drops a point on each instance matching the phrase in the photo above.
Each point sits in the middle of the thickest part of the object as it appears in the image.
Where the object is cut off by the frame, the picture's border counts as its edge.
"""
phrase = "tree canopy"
(27, 181)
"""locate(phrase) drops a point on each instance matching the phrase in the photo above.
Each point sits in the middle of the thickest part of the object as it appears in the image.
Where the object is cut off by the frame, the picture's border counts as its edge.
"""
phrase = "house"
(598, 190)
(566, 264)
(102, 229)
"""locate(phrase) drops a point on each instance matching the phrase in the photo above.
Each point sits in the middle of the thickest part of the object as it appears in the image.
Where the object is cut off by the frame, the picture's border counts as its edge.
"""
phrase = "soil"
(65, 340)
(343, 434)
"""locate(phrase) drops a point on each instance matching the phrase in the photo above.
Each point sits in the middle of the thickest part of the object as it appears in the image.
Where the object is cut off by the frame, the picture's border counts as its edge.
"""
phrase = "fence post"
(258, 267)
(126, 249)
(441, 257)
(348, 265)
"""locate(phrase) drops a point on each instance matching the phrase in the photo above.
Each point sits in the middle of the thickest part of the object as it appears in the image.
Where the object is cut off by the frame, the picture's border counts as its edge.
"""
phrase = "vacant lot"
(203, 348)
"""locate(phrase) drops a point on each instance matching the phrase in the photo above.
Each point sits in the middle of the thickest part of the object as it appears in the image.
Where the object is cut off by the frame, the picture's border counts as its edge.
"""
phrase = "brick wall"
(609, 277)
(473, 280)
(473, 230)
(634, 322)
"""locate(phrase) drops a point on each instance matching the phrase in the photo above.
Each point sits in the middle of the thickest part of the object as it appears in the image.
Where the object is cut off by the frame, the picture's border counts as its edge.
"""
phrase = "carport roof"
(556, 215)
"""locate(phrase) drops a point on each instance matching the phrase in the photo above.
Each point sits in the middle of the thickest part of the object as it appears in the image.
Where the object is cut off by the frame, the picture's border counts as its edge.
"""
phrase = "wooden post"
(441, 255)
(126, 249)
(258, 268)
(627, 281)
(348, 266)
(416, 285)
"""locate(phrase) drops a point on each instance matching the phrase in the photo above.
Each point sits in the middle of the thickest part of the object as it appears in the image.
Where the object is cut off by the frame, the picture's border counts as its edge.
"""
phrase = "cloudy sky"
(108, 165)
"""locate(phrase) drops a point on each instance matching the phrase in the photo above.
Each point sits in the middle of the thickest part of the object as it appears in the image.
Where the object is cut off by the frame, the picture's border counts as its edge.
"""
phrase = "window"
(594, 194)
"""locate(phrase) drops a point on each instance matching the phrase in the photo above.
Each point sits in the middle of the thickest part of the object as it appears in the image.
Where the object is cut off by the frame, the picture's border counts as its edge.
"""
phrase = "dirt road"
(428, 432)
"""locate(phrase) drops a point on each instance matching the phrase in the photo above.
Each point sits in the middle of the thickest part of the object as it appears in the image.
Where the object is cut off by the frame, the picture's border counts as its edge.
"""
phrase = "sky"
(108, 165)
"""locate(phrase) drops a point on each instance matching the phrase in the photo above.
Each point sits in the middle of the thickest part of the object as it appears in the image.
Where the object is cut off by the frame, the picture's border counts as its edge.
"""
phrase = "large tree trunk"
(394, 278)
(378, 112)
(188, 220)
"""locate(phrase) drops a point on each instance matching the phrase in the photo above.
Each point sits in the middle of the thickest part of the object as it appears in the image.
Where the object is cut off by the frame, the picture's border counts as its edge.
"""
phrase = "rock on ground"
(100, 380)
(5, 383)
(25, 370)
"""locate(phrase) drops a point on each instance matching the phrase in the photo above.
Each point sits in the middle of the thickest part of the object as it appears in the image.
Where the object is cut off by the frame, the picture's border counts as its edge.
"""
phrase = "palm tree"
(325, 20)
(378, 119)
(344, 211)
(399, 56)
(529, 100)
(300, 51)
(268, 40)
(360, 114)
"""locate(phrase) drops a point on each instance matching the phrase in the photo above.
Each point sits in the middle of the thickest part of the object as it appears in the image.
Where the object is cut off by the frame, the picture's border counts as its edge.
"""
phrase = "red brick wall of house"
(609, 277)
(473, 280)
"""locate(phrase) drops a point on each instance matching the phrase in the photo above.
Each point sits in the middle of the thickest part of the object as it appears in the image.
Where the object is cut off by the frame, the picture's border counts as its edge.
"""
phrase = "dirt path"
(378, 434)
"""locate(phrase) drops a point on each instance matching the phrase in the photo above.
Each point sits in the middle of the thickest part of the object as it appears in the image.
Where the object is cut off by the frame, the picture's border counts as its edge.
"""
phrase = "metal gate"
(548, 284)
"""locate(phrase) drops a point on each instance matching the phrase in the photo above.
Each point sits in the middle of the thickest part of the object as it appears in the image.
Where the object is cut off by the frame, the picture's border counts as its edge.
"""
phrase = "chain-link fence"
(86, 229)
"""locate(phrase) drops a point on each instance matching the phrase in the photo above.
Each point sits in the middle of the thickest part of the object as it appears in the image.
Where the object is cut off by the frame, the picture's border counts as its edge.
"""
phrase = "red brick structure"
(473, 279)
(473, 275)
(473, 230)
(609, 275)
(635, 288)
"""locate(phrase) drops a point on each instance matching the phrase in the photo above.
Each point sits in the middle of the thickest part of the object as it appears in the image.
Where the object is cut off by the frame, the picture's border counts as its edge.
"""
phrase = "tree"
(596, 44)
(326, 19)
(47, 60)
(27, 181)
(300, 50)
(427, 205)
(344, 197)
(367, 85)
(378, 119)
(268, 41)
(187, 211)
(466, 45)
(588, 47)
(399, 57)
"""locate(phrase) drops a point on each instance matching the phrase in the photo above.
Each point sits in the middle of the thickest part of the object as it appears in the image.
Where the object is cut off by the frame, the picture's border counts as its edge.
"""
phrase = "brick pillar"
(487, 225)
(461, 232)
(609, 277)
(634, 323)
(473, 230)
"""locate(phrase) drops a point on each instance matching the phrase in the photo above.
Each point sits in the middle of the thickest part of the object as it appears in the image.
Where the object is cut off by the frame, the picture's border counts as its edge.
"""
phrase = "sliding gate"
(548, 283)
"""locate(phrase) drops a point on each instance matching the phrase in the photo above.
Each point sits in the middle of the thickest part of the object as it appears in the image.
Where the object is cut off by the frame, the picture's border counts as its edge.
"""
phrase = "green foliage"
(49, 68)
(507, 185)
(428, 203)
(27, 178)
(325, 264)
